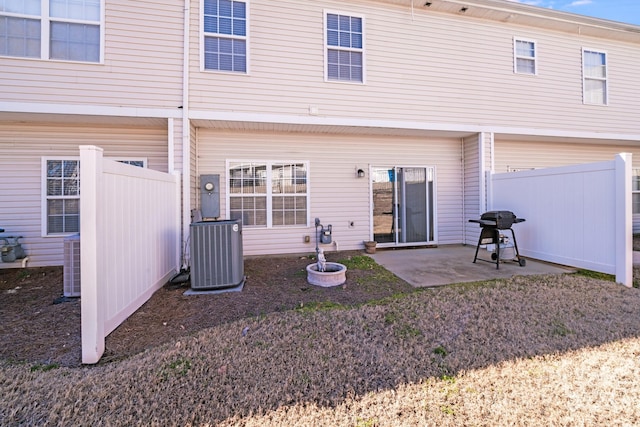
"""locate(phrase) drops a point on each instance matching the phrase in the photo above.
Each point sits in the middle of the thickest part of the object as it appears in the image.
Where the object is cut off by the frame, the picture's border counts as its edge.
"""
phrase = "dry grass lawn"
(548, 350)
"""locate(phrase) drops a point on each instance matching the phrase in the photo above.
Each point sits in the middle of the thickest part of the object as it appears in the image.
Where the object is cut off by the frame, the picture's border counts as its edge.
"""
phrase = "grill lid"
(503, 219)
(498, 215)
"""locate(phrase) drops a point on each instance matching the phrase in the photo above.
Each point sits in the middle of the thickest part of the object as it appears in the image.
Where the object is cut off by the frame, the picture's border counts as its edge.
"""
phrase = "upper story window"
(524, 56)
(51, 29)
(594, 74)
(269, 194)
(225, 35)
(344, 48)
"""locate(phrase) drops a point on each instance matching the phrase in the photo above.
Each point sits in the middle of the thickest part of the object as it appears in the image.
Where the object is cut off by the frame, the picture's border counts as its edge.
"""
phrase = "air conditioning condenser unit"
(71, 269)
(216, 255)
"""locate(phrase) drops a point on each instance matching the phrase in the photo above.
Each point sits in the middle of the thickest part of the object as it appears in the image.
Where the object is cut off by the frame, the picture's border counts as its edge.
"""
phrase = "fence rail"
(130, 242)
(576, 215)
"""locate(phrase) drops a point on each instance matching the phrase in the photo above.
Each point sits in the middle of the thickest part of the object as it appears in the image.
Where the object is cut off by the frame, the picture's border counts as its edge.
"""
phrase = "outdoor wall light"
(360, 173)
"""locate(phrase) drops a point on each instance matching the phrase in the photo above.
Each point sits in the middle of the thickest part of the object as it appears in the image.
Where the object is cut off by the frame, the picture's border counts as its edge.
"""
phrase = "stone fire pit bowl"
(334, 274)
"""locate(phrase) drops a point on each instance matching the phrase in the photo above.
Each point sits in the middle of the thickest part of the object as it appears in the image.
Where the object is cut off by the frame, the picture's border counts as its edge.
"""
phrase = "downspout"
(186, 135)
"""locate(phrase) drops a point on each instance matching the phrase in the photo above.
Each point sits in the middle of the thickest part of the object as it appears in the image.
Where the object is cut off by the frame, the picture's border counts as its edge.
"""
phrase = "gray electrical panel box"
(210, 196)
(216, 254)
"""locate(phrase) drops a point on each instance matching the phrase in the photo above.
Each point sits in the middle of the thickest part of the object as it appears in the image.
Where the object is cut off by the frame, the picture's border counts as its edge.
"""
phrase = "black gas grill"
(493, 223)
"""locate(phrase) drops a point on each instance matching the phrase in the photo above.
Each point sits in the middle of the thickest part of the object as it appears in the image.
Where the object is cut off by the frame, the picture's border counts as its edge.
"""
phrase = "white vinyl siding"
(225, 35)
(472, 191)
(52, 29)
(344, 35)
(525, 57)
(594, 71)
(518, 155)
(426, 73)
(22, 147)
(337, 196)
(143, 65)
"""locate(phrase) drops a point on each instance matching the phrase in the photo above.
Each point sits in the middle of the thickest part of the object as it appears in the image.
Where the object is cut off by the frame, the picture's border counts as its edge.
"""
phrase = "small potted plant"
(370, 246)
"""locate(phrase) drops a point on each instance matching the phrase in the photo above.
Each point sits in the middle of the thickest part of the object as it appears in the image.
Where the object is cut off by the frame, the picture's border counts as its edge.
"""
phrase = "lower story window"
(635, 186)
(62, 189)
(268, 194)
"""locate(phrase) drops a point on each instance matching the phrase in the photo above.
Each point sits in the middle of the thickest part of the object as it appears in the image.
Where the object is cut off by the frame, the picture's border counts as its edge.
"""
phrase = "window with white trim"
(344, 48)
(524, 52)
(268, 194)
(225, 35)
(141, 163)
(62, 190)
(51, 29)
(635, 187)
(61, 184)
(594, 74)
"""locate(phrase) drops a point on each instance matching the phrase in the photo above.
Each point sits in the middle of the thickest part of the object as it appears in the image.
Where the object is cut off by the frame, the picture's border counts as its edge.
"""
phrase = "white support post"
(92, 318)
(481, 173)
(624, 220)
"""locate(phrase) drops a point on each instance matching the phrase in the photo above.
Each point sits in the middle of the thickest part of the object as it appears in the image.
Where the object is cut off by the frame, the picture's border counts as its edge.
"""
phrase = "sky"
(615, 10)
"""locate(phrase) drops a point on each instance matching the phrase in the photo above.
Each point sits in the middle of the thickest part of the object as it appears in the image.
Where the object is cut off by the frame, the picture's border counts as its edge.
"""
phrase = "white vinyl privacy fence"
(130, 242)
(578, 216)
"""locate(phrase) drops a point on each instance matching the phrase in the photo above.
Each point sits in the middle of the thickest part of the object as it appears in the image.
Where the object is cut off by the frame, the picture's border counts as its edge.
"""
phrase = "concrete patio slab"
(447, 264)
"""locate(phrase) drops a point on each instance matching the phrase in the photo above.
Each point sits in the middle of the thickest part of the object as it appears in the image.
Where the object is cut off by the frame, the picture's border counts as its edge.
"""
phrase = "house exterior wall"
(511, 155)
(22, 147)
(193, 162)
(337, 195)
(142, 63)
(472, 186)
(514, 155)
(420, 67)
(174, 131)
(427, 72)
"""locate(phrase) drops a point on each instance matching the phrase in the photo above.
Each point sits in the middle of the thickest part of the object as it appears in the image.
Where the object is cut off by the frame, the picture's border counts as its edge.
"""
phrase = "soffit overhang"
(516, 13)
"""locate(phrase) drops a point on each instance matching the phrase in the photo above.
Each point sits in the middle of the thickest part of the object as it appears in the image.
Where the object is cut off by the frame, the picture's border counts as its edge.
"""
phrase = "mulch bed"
(40, 327)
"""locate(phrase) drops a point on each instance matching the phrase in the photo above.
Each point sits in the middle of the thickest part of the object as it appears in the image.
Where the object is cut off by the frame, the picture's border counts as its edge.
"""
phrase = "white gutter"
(86, 110)
(547, 13)
(291, 120)
(186, 134)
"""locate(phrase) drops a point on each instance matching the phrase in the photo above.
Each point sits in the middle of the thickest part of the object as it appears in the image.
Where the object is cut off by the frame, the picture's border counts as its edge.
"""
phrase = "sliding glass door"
(403, 205)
